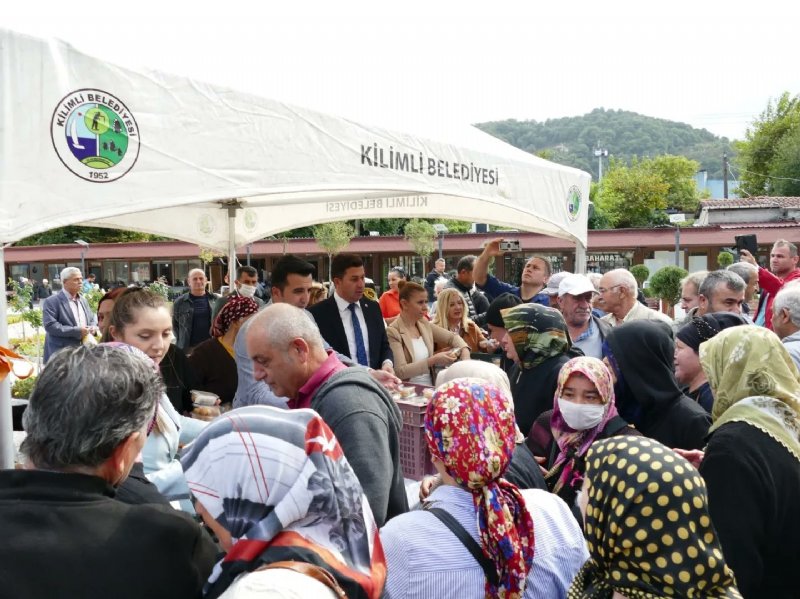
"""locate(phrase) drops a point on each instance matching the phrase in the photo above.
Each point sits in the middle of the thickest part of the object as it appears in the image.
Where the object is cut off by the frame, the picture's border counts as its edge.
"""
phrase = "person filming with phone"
(534, 276)
(782, 269)
(412, 338)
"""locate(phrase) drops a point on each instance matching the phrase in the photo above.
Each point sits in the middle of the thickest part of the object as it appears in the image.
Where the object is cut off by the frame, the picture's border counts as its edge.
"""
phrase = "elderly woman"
(479, 535)
(688, 371)
(452, 315)
(537, 340)
(523, 470)
(640, 355)
(390, 299)
(86, 423)
(213, 360)
(583, 411)
(647, 526)
(412, 338)
(298, 518)
(751, 459)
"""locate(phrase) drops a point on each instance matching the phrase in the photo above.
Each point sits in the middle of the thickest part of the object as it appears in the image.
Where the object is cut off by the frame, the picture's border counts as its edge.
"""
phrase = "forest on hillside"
(573, 140)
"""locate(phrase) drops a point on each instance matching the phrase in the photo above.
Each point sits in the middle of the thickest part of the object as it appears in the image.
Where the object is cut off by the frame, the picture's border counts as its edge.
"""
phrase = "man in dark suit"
(66, 316)
(367, 343)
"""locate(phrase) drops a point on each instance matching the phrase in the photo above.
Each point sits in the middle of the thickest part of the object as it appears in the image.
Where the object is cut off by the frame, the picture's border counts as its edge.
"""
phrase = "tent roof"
(85, 141)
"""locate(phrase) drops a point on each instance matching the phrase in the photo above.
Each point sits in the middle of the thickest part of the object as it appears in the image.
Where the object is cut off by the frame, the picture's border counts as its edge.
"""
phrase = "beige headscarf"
(754, 380)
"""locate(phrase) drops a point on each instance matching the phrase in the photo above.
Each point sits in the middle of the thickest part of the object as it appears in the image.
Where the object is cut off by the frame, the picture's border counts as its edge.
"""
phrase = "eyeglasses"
(604, 289)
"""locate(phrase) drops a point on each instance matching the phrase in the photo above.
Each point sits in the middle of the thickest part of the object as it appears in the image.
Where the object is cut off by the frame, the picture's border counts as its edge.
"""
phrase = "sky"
(712, 64)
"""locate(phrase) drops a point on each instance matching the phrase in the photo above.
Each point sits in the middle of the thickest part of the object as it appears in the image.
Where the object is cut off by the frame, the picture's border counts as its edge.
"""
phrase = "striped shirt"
(424, 559)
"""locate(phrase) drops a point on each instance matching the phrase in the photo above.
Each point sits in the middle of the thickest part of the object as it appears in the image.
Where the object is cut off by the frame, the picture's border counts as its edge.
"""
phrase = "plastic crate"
(415, 458)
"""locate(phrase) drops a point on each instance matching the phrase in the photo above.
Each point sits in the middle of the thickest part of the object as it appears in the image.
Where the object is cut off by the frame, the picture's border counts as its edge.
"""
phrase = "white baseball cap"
(575, 285)
(554, 281)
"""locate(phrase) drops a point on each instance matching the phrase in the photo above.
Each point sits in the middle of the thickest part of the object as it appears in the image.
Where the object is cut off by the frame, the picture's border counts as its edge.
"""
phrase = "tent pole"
(580, 258)
(232, 247)
(6, 420)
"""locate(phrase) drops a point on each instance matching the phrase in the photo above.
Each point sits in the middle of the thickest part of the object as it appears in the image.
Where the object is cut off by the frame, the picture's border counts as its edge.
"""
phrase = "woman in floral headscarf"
(213, 360)
(583, 411)
(538, 342)
(469, 427)
(277, 490)
(647, 527)
(752, 460)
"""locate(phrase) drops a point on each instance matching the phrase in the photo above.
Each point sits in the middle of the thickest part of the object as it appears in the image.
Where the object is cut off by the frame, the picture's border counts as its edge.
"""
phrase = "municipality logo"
(574, 203)
(95, 135)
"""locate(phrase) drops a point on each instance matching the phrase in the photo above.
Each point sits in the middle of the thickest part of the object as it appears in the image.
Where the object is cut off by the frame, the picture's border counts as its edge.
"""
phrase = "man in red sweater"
(783, 266)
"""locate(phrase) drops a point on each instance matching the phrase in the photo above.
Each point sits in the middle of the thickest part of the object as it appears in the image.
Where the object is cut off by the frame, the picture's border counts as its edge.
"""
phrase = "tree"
(333, 238)
(666, 283)
(785, 168)
(678, 172)
(762, 154)
(90, 234)
(638, 195)
(640, 272)
(422, 237)
(384, 226)
(21, 301)
(724, 259)
(630, 195)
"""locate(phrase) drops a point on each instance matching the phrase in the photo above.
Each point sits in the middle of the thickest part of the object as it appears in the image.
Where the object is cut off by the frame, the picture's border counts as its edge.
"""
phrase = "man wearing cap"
(551, 291)
(586, 330)
(534, 277)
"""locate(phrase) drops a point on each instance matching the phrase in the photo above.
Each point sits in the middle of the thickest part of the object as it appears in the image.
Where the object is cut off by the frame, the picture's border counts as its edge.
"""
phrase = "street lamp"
(440, 231)
(600, 153)
(84, 248)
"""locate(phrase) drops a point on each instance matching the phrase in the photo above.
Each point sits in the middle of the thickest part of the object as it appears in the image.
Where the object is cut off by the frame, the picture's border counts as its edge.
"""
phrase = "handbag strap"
(315, 572)
(466, 539)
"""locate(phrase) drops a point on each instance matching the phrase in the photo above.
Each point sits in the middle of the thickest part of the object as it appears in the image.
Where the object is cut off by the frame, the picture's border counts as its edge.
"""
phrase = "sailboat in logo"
(95, 136)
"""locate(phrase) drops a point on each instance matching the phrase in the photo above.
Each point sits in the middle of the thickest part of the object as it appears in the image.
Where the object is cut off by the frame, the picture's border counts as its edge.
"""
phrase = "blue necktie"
(361, 351)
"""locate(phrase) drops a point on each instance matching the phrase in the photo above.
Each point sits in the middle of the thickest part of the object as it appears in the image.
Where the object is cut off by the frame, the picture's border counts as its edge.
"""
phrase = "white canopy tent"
(85, 141)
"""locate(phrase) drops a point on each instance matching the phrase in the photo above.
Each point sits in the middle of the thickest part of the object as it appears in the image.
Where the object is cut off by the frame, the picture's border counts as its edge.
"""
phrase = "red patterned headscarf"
(470, 427)
(237, 307)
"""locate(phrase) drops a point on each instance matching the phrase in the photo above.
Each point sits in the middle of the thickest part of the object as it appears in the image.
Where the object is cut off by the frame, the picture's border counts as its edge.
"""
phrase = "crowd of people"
(584, 444)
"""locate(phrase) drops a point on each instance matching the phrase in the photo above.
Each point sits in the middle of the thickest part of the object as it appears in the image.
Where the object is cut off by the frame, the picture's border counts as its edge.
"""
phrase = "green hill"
(572, 140)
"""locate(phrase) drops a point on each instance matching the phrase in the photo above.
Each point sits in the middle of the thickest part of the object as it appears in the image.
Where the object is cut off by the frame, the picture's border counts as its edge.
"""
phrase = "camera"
(510, 245)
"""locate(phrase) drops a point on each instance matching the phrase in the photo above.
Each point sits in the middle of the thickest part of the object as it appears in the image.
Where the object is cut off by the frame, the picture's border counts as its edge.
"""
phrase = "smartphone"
(747, 242)
(510, 245)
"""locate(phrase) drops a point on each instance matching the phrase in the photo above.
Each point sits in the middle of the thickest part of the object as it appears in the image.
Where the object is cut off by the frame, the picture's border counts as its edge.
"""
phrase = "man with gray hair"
(83, 435)
(618, 292)
(66, 315)
(749, 274)
(288, 355)
(786, 319)
(721, 291)
(690, 292)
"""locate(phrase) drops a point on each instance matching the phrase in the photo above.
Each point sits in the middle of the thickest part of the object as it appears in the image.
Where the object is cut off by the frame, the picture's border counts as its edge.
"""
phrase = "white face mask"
(581, 416)
(247, 290)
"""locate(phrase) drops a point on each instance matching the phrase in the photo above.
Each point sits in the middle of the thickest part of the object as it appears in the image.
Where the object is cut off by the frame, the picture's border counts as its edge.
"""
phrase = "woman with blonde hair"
(317, 293)
(412, 338)
(452, 314)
